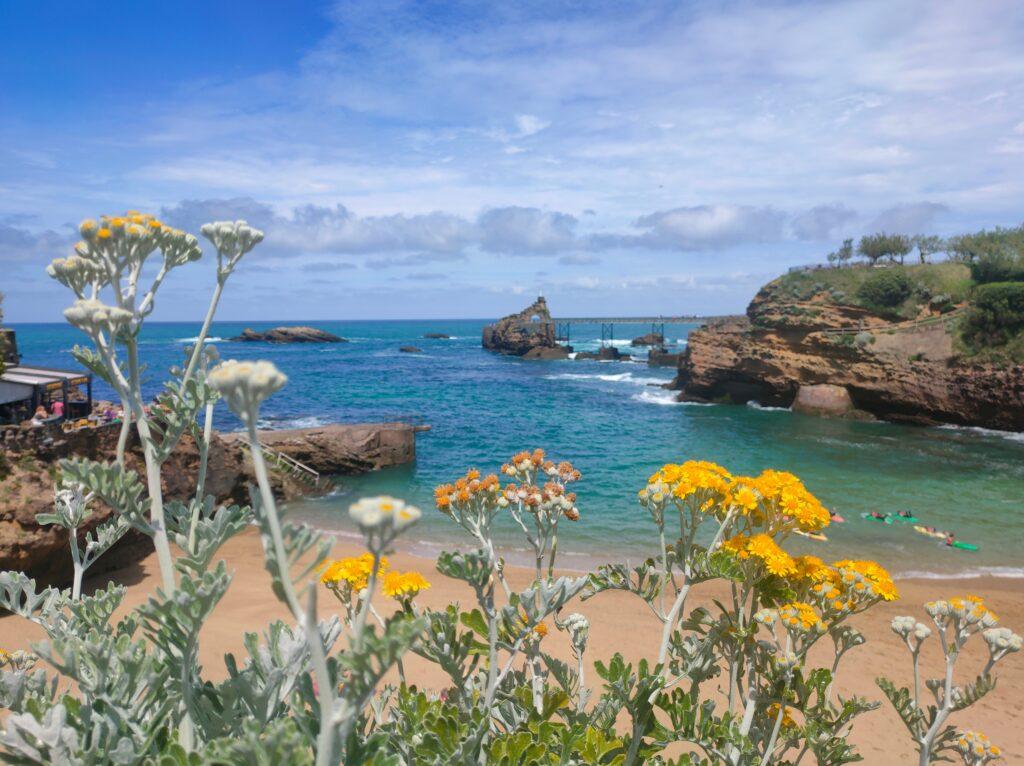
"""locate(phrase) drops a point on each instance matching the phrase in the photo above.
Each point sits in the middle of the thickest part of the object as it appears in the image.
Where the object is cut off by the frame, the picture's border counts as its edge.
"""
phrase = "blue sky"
(412, 159)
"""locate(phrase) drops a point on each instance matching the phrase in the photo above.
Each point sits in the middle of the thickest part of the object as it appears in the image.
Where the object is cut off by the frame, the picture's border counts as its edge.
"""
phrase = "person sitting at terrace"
(40, 416)
(57, 408)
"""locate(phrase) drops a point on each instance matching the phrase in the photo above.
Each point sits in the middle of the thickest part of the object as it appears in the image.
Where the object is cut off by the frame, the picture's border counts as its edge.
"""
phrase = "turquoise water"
(616, 426)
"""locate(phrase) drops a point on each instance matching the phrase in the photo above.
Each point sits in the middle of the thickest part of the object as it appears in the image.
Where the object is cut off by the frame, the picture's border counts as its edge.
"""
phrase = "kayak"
(869, 517)
(813, 535)
(929, 533)
(963, 546)
(907, 519)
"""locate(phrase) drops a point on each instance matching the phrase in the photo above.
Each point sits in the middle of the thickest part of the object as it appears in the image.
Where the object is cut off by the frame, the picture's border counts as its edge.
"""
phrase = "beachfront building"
(24, 388)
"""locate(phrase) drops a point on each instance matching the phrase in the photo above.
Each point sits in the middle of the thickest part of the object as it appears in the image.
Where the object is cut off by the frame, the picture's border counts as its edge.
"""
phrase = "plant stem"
(122, 439)
(325, 740)
(204, 458)
(197, 350)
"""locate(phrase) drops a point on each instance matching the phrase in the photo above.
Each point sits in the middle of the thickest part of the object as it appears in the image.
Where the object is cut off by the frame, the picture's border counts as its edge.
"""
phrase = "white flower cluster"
(906, 626)
(963, 613)
(787, 661)
(245, 384)
(1002, 641)
(383, 513)
(71, 504)
(578, 627)
(77, 273)
(233, 239)
(92, 316)
(976, 748)
(766, 617)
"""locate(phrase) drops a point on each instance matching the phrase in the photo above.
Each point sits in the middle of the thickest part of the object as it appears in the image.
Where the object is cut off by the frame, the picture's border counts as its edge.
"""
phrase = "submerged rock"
(436, 336)
(660, 358)
(411, 350)
(555, 352)
(289, 335)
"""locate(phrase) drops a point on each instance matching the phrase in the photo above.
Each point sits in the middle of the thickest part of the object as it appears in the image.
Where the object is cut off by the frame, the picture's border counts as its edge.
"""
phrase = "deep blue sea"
(613, 422)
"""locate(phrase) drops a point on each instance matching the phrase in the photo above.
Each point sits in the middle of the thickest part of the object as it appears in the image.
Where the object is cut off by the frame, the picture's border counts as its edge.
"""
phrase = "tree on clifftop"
(874, 247)
(928, 245)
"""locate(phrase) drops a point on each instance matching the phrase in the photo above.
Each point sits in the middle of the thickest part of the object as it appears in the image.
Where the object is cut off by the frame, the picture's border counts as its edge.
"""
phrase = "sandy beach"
(622, 623)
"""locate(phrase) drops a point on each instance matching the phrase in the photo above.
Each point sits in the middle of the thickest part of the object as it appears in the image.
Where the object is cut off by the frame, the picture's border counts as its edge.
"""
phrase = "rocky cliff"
(907, 371)
(529, 334)
(28, 470)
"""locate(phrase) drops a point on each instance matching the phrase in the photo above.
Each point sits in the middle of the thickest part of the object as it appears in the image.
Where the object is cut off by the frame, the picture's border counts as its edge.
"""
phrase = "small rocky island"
(437, 336)
(530, 334)
(289, 335)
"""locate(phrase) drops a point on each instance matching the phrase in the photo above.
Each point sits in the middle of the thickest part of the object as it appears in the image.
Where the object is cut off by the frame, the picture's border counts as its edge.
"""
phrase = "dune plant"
(736, 680)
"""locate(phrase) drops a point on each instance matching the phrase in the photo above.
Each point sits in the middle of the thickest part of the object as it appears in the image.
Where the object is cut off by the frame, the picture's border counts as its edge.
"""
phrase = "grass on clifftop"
(843, 286)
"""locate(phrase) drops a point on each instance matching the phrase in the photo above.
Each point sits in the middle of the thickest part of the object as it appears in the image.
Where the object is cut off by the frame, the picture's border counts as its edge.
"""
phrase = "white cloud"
(908, 218)
(702, 227)
(819, 223)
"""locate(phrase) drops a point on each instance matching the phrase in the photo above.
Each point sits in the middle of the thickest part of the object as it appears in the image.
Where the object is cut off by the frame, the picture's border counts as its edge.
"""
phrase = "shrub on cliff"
(885, 289)
(997, 314)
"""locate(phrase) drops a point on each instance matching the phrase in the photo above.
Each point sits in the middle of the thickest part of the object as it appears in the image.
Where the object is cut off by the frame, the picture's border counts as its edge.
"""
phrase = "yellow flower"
(800, 616)
(874, 574)
(763, 548)
(401, 585)
(540, 630)
(104, 233)
(787, 719)
(353, 571)
(811, 568)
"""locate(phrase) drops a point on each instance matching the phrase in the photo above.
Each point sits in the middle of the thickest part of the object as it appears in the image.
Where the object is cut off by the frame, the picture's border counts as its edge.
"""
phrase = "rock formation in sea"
(529, 334)
(902, 371)
(649, 339)
(29, 458)
(658, 357)
(604, 354)
(436, 336)
(410, 349)
(289, 335)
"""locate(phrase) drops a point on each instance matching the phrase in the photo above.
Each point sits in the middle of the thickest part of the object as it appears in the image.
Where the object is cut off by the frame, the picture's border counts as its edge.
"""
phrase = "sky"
(446, 160)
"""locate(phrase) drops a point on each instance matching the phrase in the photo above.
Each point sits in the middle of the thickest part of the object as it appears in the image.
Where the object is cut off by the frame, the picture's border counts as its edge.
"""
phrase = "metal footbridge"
(563, 325)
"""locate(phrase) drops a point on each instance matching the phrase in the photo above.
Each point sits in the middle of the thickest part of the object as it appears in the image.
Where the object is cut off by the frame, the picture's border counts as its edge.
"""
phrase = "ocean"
(615, 423)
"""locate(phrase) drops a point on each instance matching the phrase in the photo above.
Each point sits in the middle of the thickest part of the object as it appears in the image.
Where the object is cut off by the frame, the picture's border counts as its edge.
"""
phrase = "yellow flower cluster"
(692, 477)
(353, 571)
(775, 500)
(763, 548)
(850, 585)
(800, 616)
(773, 712)
(975, 745)
(811, 569)
(404, 585)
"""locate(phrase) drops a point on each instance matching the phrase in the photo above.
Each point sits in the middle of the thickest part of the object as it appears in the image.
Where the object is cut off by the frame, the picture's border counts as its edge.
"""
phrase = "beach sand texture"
(620, 622)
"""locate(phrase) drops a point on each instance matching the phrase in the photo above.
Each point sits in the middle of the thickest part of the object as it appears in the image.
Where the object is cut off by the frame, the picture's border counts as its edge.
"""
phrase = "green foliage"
(886, 288)
(996, 316)
(874, 247)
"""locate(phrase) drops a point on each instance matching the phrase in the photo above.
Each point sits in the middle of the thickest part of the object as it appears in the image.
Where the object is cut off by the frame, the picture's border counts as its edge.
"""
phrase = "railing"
(292, 467)
(909, 324)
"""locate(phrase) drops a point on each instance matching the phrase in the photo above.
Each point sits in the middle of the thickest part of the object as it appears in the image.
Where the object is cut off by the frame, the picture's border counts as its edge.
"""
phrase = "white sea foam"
(758, 406)
(277, 424)
(621, 377)
(1011, 573)
(195, 339)
(1014, 436)
(666, 399)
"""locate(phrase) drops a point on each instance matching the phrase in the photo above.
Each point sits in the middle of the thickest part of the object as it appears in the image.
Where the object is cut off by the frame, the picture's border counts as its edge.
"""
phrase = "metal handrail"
(295, 467)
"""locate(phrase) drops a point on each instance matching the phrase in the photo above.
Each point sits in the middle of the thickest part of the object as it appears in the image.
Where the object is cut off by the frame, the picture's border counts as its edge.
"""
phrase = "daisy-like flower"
(380, 512)
(976, 749)
(233, 239)
(244, 385)
(578, 627)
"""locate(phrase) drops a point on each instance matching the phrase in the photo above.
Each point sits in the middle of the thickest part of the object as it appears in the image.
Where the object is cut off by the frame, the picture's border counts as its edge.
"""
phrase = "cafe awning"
(21, 382)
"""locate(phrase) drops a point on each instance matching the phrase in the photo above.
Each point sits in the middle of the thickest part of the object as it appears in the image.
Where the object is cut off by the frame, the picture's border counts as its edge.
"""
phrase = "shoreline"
(620, 622)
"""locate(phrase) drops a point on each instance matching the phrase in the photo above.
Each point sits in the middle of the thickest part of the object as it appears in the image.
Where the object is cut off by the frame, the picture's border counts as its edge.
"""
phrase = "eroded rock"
(289, 335)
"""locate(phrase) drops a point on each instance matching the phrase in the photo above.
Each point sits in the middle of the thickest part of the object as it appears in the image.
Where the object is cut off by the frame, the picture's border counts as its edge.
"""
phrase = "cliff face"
(904, 373)
(29, 462)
